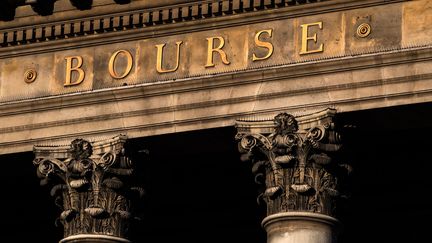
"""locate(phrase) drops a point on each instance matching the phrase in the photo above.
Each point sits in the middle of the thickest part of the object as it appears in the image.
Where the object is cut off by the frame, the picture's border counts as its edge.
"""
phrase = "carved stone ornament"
(299, 167)
(90, 184)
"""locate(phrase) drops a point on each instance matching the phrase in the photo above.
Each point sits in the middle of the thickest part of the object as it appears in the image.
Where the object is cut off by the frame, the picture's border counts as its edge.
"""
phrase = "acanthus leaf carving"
(301, 167)
(90, 185)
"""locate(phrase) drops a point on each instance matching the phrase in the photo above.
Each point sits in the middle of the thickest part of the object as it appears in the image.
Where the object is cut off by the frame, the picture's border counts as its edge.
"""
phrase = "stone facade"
(76, 74)
(386, 68)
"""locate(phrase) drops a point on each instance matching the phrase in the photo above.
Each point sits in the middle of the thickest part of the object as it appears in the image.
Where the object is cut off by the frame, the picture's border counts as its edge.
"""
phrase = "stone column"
(297, 161)
(90, 184)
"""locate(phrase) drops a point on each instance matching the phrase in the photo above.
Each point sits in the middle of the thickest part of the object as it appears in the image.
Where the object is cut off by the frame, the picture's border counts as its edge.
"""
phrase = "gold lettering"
(264, 44)
(306, 38)
(159, 58)
(111, 65)
(76, 68)
(211, 49)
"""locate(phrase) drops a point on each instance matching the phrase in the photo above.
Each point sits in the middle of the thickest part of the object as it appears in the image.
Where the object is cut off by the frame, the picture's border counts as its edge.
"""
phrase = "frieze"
(150, 57)
(174, 57)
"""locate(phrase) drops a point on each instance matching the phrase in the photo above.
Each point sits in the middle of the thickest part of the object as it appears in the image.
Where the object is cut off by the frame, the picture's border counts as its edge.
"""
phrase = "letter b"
(70, 67)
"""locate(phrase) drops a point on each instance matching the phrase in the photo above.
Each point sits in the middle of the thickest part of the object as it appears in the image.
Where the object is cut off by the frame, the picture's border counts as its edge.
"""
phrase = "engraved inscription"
(211, 50)
(306, 38)
(111, 66)
(263, 44)
(159, 59)
(74, 64)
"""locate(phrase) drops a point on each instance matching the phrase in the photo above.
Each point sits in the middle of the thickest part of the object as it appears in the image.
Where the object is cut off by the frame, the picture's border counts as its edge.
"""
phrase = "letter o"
(111, 67)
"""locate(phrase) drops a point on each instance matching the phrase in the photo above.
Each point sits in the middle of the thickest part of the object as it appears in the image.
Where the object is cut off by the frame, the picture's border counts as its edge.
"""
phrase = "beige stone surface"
(417, 16)
(302, 227)
(337, 37)
(386, 28)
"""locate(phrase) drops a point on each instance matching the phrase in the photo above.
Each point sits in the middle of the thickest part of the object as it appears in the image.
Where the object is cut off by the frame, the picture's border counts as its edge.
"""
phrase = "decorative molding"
(210, 103)
(94, 239)
(299, 166)
(41, 7)
(90, 185)
(138, 19)
(266, 96)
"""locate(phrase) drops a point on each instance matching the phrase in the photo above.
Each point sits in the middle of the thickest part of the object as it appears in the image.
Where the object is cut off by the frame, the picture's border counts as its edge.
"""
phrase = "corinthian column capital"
(90, 184)
(297, 159)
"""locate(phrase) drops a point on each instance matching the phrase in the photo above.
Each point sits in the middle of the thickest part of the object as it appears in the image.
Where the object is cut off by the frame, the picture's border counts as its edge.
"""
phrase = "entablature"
(288, 59)
(354, 83)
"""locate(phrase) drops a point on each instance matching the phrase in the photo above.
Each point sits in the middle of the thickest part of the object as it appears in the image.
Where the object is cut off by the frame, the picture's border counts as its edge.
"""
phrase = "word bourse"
(215, 45)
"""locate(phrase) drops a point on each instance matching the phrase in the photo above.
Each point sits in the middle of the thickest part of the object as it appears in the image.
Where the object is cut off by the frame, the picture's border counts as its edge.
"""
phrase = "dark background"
(197, 190)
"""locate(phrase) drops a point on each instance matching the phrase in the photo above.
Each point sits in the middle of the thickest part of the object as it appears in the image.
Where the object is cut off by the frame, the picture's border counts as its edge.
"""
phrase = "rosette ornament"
(91, 185)
(298, 163)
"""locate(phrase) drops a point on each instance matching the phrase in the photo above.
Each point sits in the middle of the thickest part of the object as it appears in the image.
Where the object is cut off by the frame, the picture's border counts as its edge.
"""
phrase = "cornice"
(128, 23)
(26, 11)
(214, 103)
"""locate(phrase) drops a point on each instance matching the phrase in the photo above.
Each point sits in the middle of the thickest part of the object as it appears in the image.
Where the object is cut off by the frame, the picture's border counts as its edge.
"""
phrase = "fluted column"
(90, 184)
(297, 160)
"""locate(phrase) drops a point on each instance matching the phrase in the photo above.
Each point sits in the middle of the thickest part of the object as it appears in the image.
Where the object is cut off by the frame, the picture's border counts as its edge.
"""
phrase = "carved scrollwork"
(298, 165)
(317, 133)
(107, 159)
(90, 185)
